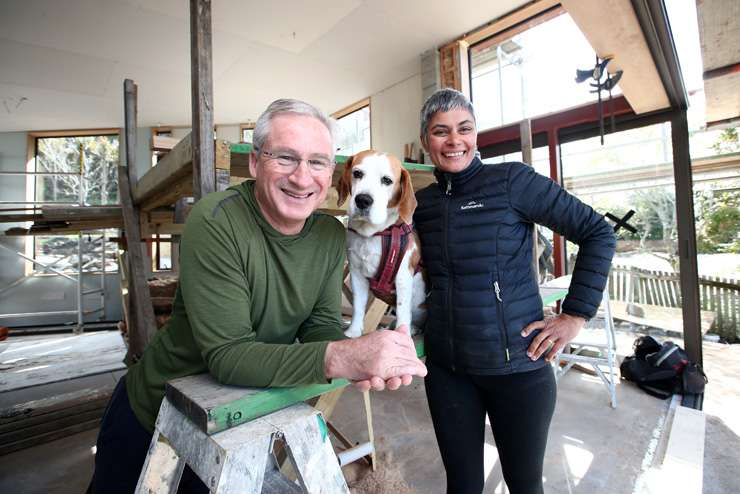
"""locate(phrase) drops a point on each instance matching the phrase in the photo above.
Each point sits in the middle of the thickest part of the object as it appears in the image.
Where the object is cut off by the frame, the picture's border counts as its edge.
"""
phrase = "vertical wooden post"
(201, 74)
(557, 240)
(689, 271)
(141, 314)
(223, 164)
(525, 136)
(453, 67)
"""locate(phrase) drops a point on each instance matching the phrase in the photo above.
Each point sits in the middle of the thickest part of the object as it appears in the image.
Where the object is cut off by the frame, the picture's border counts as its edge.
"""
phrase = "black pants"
(519, 406)
(121, 450)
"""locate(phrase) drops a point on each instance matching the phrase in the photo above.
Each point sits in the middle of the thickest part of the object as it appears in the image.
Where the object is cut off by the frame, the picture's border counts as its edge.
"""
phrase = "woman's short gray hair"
(443, 100)
(282, 106)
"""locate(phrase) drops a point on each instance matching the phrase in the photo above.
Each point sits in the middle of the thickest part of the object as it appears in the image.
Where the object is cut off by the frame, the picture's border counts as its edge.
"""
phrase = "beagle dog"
(383, 251)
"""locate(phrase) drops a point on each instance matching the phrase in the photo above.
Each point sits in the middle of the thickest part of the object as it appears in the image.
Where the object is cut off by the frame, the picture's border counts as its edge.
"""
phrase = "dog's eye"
(357, 174)
(386, 181)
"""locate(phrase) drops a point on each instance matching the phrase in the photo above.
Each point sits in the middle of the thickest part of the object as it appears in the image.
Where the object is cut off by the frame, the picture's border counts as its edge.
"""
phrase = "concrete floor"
(592, 448)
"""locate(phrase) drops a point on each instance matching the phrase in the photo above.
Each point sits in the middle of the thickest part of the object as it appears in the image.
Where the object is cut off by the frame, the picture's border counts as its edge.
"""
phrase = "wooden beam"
(140, 305)
(155, 188)
(84, 212)
(163, 143)
(201, 98)
(687, 250)
(525, 135)
(351, 108)
(454, 70)
(508, 21)
(74, 132)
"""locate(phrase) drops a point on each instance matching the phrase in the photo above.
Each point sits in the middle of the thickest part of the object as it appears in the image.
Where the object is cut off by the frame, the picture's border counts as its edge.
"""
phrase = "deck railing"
(644, 286)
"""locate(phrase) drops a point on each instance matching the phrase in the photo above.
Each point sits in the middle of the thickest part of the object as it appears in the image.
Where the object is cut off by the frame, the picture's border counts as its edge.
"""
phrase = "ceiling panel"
(622, 39)
(719, 32)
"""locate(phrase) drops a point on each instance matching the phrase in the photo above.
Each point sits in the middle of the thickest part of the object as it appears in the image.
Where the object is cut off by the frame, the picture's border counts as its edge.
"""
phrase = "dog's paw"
(353, 332)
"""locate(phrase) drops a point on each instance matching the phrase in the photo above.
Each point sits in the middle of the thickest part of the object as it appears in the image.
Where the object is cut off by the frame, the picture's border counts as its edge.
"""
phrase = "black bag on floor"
(662, 369)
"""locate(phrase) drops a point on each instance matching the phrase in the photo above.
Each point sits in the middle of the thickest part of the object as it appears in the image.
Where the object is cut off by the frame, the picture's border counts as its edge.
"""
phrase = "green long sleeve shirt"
(246, 293)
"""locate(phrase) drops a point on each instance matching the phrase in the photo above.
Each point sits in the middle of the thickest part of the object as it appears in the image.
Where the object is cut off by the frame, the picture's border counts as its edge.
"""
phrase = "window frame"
(353, 108)
(32, 138)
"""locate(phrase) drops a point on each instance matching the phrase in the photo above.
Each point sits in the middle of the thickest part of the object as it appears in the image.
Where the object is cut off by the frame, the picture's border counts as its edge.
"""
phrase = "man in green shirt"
(258, 303)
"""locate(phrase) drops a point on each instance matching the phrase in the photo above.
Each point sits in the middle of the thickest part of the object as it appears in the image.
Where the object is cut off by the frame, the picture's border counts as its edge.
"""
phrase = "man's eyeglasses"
(289, 162)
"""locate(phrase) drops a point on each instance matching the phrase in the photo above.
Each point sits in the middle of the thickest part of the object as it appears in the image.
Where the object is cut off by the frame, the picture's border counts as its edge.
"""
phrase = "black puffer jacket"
(476, 237)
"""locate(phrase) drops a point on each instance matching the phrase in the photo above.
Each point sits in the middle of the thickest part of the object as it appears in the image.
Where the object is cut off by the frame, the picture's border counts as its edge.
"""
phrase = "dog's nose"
(364, 201)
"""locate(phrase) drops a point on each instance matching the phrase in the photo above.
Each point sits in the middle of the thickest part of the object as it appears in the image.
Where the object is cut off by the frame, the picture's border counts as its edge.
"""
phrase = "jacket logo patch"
(471, 205)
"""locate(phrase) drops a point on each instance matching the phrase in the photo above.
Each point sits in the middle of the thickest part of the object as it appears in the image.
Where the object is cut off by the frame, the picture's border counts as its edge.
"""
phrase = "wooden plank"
(49, 436)
(201, 84)
(683, 463)
(328, 401)
(175, 189)
(219, 458)
(52, 424)
(510, 20)
(81, 212)
(172, 168)
(163, 143)
(84, 355)
(140, 308)
(666, 318)
(306, 437)
(215, 407)
(29, 418)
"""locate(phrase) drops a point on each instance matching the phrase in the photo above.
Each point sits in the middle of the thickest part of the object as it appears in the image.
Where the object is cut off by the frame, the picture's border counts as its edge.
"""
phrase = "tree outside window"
(76, 170)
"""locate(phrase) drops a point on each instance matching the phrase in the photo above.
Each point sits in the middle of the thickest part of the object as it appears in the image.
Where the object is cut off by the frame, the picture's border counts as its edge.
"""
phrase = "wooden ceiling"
(719, 31)
(612, 29)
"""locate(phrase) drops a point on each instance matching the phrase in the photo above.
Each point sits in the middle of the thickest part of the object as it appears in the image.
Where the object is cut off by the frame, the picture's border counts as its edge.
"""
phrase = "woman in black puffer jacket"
(486, 341)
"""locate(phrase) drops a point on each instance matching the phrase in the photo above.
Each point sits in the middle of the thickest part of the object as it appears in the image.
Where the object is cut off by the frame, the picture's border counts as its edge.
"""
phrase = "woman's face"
(451, 140)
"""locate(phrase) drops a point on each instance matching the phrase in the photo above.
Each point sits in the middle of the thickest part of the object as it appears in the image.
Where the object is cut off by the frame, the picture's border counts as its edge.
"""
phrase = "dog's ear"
(407, 201)
(344, 186)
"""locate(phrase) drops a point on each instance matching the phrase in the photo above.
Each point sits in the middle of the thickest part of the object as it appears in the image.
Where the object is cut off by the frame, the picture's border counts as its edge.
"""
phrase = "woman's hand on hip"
(556, 332)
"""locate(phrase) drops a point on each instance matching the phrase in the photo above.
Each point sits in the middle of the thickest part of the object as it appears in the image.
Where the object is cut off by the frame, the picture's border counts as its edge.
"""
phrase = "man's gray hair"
(443, 100)
(283, 106)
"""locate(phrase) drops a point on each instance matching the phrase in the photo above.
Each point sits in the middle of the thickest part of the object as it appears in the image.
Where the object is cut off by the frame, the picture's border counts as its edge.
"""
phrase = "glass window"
(63, 160)
(354, 131)
(633, 171)
(247, 132)
(77, 170)
(531, 73)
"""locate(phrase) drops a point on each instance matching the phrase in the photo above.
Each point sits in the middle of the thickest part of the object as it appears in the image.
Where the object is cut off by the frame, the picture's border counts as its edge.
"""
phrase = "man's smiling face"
(287, 197)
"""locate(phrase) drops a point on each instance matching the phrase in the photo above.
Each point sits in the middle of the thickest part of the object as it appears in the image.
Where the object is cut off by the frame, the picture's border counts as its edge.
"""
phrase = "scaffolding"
(81, 290)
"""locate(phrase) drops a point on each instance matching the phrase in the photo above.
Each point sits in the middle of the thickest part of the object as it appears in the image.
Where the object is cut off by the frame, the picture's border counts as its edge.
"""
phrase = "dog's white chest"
(364, 253)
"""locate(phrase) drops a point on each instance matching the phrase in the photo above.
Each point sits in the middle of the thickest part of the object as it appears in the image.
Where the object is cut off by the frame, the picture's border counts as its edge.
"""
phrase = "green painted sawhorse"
(226, 435)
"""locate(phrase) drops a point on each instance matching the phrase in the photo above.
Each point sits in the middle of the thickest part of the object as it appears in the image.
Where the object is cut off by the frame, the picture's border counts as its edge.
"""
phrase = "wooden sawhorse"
(226, 435)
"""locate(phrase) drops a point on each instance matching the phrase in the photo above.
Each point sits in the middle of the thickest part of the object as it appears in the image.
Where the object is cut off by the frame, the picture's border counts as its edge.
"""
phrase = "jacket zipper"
(500, 312)
(445, 225)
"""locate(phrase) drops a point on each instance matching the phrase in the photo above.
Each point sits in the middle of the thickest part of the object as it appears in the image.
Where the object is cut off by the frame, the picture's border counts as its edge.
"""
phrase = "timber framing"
(352, 108)
(141, 323)
(171, 179)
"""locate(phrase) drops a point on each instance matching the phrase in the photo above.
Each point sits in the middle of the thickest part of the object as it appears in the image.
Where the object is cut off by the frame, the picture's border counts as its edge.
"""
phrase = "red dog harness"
(395, 238)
